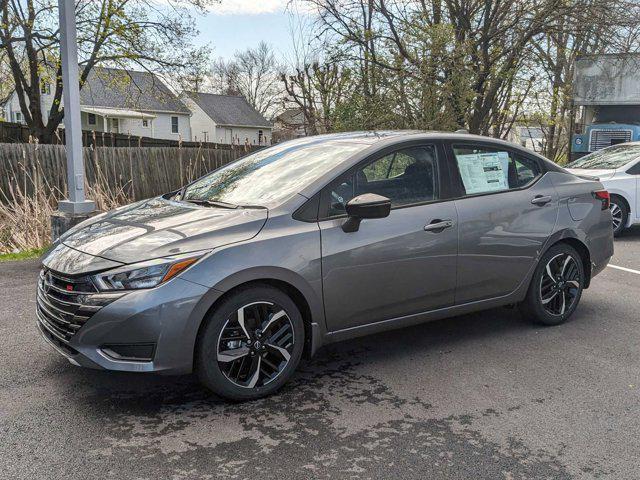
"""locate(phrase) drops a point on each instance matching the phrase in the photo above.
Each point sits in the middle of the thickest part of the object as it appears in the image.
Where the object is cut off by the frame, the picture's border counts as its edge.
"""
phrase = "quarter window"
(635, 170)
(406, 176)
(486, 170)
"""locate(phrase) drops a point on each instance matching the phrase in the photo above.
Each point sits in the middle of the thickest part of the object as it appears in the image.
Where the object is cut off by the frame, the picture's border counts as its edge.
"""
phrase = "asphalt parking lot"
(481, 396)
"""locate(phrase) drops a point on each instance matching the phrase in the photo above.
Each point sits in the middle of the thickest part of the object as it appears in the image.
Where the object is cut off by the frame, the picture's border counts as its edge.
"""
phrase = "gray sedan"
(241, 273)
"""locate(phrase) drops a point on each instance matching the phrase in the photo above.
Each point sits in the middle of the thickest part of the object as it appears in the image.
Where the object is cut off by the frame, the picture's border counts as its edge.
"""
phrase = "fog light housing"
(130, 352)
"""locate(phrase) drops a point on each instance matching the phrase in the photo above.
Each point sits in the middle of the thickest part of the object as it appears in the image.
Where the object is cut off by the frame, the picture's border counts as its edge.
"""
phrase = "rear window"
(612, 157)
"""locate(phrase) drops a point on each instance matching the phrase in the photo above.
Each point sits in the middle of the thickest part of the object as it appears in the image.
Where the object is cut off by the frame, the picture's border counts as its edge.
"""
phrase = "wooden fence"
(18, 133)
(139, 172)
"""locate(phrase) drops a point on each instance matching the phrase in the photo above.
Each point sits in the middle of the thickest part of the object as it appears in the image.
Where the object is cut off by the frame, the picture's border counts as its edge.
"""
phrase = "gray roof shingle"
(229, 110)
(126, 89)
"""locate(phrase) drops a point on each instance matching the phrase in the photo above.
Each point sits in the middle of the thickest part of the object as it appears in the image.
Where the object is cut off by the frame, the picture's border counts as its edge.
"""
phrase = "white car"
(618, 169)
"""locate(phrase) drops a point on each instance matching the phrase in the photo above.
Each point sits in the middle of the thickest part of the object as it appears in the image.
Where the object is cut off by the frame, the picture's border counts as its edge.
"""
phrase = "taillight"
(604, 197)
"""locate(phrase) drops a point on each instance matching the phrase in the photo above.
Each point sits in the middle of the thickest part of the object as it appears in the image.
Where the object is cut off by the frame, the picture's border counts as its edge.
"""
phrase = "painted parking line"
(625, 269)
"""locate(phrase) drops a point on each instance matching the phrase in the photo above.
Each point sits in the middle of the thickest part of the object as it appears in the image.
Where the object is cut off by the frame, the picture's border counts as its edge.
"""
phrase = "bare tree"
(254, 74)
(141, 33)
(592, 27)
(319, 91)
(477, 64)
(6, 81)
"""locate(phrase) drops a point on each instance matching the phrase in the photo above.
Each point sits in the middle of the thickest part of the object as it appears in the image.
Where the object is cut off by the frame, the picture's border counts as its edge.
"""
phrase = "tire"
(251, 344)
(619, 214)
(552, 299)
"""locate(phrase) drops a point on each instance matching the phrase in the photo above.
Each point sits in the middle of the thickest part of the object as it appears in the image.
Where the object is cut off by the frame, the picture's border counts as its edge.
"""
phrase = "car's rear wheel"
(619, 215)
(251, 344)
(556, 287)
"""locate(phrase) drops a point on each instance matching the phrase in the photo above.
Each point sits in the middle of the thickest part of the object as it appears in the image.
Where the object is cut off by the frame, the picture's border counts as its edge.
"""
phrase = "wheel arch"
(296, 287)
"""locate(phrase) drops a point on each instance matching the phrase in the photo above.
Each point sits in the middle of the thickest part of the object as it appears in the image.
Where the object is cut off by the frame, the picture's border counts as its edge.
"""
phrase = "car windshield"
(610, 157)
(271, 175)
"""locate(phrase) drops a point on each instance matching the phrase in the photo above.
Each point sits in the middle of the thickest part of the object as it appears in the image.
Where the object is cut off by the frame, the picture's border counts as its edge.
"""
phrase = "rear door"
(507, 208)
(391, 266)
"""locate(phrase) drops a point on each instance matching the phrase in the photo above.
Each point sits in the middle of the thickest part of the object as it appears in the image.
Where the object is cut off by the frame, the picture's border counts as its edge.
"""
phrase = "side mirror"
(368, 205)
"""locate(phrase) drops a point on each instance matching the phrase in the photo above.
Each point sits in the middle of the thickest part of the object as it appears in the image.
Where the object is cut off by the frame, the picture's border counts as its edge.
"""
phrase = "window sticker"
(484, 172)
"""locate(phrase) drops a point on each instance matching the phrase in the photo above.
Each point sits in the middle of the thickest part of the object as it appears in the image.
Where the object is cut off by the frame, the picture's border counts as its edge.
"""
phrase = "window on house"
(45, 88)
(18, 117)
(174, 124)
(145, 123)
(260, 137)
(115, 125)
(91, 118)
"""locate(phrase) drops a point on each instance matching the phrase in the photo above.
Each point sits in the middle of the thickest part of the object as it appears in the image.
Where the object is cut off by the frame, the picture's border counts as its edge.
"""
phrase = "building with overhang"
(121, 101)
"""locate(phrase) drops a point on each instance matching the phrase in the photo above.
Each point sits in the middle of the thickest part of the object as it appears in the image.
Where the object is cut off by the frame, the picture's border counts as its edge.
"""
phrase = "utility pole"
(76, 208)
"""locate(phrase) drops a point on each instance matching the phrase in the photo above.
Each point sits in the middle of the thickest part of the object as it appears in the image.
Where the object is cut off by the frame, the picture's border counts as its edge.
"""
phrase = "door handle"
(541, 200)
(438, 225)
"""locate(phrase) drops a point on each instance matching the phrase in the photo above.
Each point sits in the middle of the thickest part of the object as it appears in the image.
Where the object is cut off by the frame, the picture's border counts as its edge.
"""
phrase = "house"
(531, 137)
(226, 119)
(122, 101)
(290, 124)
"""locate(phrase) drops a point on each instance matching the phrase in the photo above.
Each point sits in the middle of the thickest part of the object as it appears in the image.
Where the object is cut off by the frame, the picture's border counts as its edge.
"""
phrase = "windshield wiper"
(261, 207)
(218, 203)
(212, 203)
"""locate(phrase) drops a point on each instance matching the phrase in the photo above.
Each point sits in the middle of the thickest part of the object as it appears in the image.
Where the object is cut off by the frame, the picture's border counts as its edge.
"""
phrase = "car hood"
(600, 174)
(159, 227)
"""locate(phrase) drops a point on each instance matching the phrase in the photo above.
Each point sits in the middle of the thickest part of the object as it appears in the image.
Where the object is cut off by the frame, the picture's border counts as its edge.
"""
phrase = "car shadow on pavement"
(632, 234)
(433, 337)
(336, 418)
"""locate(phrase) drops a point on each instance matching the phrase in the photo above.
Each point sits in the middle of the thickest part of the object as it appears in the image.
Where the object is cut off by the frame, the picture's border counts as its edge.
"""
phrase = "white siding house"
(122, 101)
(226, 119)
(12, 111)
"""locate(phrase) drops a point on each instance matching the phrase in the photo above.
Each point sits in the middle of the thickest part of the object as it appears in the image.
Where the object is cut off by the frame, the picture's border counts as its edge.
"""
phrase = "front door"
(507, 209)
(394, 266)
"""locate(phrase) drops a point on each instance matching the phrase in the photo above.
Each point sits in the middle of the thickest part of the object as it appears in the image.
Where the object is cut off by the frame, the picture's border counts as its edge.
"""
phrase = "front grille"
(605, 137)
(65, 304)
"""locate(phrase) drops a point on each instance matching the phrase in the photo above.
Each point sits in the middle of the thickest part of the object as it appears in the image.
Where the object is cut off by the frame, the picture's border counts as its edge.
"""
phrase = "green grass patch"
(24, 255)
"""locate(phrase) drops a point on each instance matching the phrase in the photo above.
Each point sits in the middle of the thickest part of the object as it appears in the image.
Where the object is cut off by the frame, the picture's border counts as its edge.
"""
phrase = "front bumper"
(167, 317)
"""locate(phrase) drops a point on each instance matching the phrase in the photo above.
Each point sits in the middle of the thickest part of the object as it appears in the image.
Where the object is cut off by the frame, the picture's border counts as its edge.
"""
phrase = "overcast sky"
(239, 24)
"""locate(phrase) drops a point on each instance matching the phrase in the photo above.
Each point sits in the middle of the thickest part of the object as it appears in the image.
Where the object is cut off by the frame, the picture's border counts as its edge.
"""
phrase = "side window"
(527, 171)
(405, 177)
(635, 170)
(486, 170)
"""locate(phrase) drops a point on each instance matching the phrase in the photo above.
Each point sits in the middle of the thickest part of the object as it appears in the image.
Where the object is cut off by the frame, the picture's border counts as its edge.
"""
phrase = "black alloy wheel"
(556, 287)
(560, 284)
(255, 344)
(250, 344)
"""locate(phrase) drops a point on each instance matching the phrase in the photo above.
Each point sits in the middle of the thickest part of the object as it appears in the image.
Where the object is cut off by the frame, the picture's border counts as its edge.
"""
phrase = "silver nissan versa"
(239, 274)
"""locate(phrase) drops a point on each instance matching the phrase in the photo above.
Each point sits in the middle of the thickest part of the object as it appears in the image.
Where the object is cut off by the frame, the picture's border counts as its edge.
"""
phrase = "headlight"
(145, 274)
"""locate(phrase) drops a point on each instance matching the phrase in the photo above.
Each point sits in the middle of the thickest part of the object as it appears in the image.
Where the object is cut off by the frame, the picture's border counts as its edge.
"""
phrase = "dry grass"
(26, 208)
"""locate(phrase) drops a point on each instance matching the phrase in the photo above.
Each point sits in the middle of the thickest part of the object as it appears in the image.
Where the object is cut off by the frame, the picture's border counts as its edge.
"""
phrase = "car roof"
(391, 137)
(398, 136)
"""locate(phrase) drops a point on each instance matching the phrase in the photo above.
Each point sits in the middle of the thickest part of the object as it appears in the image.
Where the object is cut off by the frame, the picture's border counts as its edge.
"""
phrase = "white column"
(76, 204)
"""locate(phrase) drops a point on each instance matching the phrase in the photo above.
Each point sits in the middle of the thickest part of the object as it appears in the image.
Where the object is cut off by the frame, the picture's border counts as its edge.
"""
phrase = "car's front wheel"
(251, 344)
(619, 215)
(556, 287)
